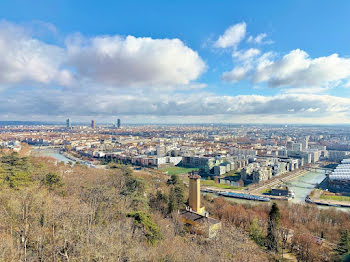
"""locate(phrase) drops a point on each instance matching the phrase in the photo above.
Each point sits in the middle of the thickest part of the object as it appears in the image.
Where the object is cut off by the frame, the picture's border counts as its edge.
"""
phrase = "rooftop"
(193, 216)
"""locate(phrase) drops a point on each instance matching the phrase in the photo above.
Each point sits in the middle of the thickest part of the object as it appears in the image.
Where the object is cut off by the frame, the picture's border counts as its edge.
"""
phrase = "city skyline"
(175, 63)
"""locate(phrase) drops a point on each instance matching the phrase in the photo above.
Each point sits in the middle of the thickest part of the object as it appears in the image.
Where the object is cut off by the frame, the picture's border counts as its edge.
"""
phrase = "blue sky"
(154, 61)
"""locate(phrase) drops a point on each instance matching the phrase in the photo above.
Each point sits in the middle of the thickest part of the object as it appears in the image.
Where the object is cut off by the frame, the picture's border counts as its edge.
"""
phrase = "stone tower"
(194, 194)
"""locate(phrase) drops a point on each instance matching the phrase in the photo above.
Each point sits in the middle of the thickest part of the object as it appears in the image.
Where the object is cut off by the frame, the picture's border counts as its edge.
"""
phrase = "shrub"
(151, 229)
(52, 180)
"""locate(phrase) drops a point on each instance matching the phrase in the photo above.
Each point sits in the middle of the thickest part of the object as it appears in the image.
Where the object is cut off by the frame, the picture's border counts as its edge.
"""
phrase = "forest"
(53, 211)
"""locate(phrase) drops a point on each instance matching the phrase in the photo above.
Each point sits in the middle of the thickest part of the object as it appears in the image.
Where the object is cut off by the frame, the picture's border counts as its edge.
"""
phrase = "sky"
(175, 61)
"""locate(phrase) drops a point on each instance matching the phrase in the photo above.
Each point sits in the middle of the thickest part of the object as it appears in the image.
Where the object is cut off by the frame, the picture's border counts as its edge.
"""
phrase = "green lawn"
(267, 191)
(213, 184)
(233, 173)
(176, 170)
(336, 198)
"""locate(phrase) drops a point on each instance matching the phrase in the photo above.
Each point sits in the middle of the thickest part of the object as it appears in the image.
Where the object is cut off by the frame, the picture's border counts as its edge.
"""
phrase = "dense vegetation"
(311, 233)
(55, 212)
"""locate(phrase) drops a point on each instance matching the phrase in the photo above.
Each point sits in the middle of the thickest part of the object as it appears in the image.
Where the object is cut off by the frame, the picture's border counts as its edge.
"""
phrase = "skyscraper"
(93, 125)
(118, 123)
(305, 143)
(68, 123)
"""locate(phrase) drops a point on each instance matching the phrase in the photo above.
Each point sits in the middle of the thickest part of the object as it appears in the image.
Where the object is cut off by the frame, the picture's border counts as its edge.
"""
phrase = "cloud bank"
(116, 60)
(198, 104)
(131, 76)
(295, 69)
(113, 60)
(25, 59)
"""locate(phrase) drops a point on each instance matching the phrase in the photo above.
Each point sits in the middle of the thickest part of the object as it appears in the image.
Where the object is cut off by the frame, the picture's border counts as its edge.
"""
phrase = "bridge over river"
(326, 170)
(301, 182)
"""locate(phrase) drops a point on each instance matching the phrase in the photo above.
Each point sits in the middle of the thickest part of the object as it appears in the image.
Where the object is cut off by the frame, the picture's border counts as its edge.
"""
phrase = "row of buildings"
(261, 152)
(13, 144)
(93, 124)
(264, 168)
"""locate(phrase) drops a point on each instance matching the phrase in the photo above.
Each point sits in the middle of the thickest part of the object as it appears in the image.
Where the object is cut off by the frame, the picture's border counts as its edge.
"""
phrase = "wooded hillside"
(54, 212)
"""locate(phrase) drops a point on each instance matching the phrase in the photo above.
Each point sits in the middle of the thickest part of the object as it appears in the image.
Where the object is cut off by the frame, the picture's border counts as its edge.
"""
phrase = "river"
(55, 153)
(304, 184)
(301, 187)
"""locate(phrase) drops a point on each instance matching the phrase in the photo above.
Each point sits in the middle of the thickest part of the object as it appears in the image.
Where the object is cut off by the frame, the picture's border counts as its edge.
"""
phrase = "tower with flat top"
(195, 194)
(194, 218)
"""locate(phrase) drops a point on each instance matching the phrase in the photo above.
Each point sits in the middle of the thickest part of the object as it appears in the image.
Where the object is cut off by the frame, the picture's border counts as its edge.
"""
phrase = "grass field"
(213, 184)
(267, 191)
(176, 170)
(232, 173)
(336, 198)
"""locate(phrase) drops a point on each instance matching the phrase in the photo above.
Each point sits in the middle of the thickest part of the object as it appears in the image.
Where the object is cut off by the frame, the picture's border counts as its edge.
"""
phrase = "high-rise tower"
(68, 123)
(93, 125)
(118, 123)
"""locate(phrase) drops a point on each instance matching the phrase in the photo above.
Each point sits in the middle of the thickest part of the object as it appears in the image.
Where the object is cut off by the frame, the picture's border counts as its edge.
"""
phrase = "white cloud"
(83, 103)
(25, 59)
(259, 39)
(245, 59)
(232, 36)
(166, 69)
(102, 60)
(296, 69)
(306, 90)
(196, 86)
(116, 60)
(311, 109)
(237, 74)
(246, 55)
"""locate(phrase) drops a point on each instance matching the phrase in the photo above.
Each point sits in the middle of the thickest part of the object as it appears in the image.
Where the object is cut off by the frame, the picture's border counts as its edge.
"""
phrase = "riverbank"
(330, 203)
(52, 152)
(301, 182)
(70, 157)
(276, 181)
(217, 191)
(321, 196)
